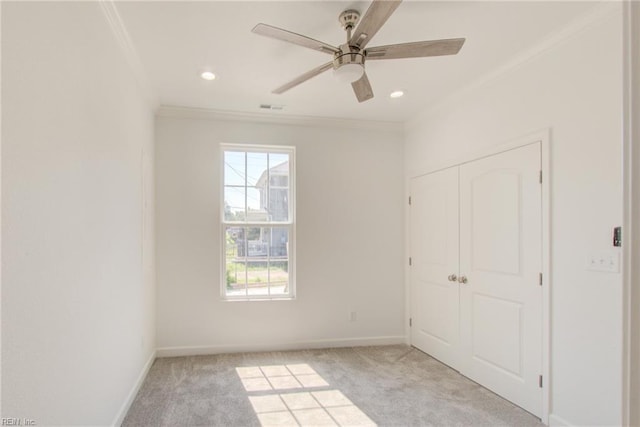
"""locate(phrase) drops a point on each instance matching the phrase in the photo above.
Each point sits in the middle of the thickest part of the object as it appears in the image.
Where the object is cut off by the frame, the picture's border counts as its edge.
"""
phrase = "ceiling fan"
(349, 58)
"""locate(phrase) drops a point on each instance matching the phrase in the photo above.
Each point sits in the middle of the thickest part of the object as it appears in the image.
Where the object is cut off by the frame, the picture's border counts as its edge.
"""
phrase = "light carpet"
(384, 385)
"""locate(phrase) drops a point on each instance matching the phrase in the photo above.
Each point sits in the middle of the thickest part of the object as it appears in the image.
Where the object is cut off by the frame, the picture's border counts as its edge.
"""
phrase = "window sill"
(288, 298)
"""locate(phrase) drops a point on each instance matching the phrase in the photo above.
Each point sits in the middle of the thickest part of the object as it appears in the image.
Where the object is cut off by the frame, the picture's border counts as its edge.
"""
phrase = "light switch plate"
(608, 262)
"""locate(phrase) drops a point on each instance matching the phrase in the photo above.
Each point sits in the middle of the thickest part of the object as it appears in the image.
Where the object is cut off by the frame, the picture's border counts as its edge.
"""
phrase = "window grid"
(265, 222)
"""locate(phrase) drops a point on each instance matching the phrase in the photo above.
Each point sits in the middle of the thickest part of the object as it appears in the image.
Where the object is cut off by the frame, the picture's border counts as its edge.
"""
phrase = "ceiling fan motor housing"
(347, 55)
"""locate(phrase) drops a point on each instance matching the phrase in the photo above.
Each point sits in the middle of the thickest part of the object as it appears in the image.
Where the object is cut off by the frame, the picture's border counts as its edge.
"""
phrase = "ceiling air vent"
(271, 107)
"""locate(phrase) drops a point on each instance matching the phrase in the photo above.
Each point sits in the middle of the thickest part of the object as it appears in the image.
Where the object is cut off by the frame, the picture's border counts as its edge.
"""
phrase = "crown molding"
(121, 35)
(572, 29)
(271, 118)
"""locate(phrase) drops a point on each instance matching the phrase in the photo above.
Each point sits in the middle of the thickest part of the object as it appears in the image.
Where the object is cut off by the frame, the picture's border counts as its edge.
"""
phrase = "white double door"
(481, 222)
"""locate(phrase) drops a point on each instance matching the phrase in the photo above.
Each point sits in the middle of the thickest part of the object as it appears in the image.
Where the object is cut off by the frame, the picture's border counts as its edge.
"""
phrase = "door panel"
(498, 330)
(500, 255)
(434, 252)
(495, 222)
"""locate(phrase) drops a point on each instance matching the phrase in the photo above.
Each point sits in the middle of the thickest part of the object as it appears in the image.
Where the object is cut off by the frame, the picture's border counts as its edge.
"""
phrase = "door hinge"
(410, 261)
(410, 322)
(540, 279)
(540, 381)
(409, 200)
(540, 177)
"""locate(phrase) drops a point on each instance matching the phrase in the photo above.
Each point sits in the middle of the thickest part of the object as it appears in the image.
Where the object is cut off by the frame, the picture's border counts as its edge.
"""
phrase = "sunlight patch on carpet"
(296, 395)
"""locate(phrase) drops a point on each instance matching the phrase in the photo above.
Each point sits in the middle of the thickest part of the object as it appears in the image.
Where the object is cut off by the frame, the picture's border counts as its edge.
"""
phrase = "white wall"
(349, 228)
(0, 218)
(573, 88)
(77, 305)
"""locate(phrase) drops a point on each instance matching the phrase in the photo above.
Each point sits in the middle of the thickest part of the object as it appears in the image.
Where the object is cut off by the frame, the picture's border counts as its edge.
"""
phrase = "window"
(258, 222)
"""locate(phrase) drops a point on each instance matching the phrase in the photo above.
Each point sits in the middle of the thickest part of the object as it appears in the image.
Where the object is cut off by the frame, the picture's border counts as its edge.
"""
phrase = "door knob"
(452, 277)
(462, 279)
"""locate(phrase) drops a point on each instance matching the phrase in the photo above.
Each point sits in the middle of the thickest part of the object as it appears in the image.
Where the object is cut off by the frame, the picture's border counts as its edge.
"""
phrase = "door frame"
(543, 138)
(630, 226)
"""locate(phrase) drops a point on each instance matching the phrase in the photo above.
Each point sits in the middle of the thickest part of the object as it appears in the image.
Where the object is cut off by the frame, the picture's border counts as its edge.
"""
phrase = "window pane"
(234, 172)
(279, 243)
(258, 277)
(254, 205)
(233, 238)
(279, 169)
(257, 191)
(279, 181)
(279, 275)
(257, 243)
(236, 278)
(277, 159)
(235, 274)
(256, 169)
(234, 208)
(279, 204)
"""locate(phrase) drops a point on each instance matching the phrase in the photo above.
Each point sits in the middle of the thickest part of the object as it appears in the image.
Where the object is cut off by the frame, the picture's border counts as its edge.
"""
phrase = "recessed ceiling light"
(396, 94)
(208, 75)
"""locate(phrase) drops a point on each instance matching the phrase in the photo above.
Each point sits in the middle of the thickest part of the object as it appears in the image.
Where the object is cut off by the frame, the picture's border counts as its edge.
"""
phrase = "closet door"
(500, 258)
(434, 252)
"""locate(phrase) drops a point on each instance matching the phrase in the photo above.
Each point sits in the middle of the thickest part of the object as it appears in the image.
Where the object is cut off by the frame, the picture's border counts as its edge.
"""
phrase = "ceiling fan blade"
(303, 78)
(373, 19)
(362, 88)
(415, 49)
(288, 36)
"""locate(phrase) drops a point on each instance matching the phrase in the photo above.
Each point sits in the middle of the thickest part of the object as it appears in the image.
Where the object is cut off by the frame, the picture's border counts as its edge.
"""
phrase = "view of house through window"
(258, 222)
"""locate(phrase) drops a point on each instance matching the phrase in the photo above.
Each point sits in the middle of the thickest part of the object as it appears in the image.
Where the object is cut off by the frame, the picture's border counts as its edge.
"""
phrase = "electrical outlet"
(607, 262)
(353, 316)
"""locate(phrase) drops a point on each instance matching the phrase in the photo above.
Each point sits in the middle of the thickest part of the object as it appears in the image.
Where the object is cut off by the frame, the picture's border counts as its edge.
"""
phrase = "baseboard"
(556, 421)
(292, 345)
(134, 391)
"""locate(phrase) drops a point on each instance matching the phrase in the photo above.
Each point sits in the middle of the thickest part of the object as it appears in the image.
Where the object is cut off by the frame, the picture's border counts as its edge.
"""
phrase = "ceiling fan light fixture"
(348, 73)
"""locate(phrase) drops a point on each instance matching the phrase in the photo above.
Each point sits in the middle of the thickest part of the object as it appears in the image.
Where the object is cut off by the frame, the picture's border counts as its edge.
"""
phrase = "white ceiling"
(176, 41)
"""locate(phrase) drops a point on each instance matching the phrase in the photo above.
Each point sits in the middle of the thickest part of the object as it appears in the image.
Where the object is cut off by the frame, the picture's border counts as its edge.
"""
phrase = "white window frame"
(290, 224)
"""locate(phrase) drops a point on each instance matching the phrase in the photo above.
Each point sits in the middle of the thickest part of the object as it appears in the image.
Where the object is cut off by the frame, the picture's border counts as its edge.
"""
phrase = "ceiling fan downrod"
(348, 64)
(348, 19)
